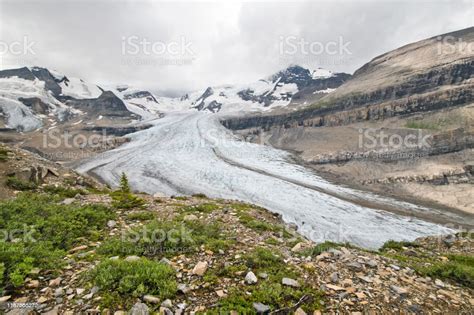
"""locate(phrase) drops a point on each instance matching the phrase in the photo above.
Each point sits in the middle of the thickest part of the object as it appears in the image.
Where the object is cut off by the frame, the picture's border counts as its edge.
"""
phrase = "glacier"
(191, 152)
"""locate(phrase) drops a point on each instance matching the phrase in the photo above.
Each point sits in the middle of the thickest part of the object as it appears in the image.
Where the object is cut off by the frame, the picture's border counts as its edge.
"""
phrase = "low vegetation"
(19, 184)
(38, 230)
(123, 198)
(456, 267)
(125, 281)
(166, 238)
(270, 290)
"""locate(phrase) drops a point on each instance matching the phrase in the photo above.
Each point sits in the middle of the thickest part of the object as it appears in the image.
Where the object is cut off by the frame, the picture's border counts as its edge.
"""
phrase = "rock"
(42, 299)
(355, 266)
(151, 299)
(111, 223)
(78, 248)
(190, 217)
(290, 282)
(261, 308)
(5, 298)
(250, 278)
(79, 291)
(165, 311)
(33, 284)
(59, 292)
(335, 287)
(54, 311)
(22, 299)
(139, 309)
(132, 258)
(371, 263)
(68, 201)
(94, 290)
(200, 268)
(88, 296)
(334, 277)
(335, 252)
(297, 247)
(299, 311)
(159, 195)
(221, 293)
(55, 282)
(263, 275)
(167, 303)
(439, 283)
(165, 261)
(399, 290)
(183, 288)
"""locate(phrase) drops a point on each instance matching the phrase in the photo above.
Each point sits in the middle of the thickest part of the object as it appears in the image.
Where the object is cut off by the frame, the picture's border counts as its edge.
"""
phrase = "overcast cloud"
(211, 43)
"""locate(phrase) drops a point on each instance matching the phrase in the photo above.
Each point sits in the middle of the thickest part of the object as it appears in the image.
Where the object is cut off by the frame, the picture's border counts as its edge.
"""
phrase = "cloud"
(228, 41)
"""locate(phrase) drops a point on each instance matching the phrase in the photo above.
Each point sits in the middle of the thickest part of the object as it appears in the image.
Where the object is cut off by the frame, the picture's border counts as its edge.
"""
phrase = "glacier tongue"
(192, 153)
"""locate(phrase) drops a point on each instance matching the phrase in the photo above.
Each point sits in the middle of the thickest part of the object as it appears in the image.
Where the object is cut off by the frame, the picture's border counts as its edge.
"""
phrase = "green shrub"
(131, 280)
(255, 224)
(3, 154)
(123, 197)
(141, 216)
(64, 192)
(202, 208)
(200, 195)
(459, 268)
(397, 245)
(413, 124)
(18, 184)
(319, 248)
(261, 258)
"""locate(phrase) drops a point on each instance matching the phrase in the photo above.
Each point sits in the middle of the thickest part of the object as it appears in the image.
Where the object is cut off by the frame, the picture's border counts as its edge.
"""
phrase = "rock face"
(107, 104)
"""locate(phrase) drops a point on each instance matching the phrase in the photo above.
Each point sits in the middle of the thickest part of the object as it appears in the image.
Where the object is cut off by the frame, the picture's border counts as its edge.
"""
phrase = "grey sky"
(211, 43)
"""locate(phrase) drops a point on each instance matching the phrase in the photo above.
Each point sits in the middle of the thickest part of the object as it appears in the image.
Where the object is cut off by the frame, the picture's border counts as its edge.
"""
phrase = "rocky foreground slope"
(96, 251)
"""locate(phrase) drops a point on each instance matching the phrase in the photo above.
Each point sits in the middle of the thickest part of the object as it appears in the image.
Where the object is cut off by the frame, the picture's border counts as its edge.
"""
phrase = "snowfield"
(187, 153)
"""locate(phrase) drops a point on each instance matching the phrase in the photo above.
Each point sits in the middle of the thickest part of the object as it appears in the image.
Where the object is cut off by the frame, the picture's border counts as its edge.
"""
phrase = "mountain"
(428, 75)
(277, 90)
(403, 123)
(31, 98)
